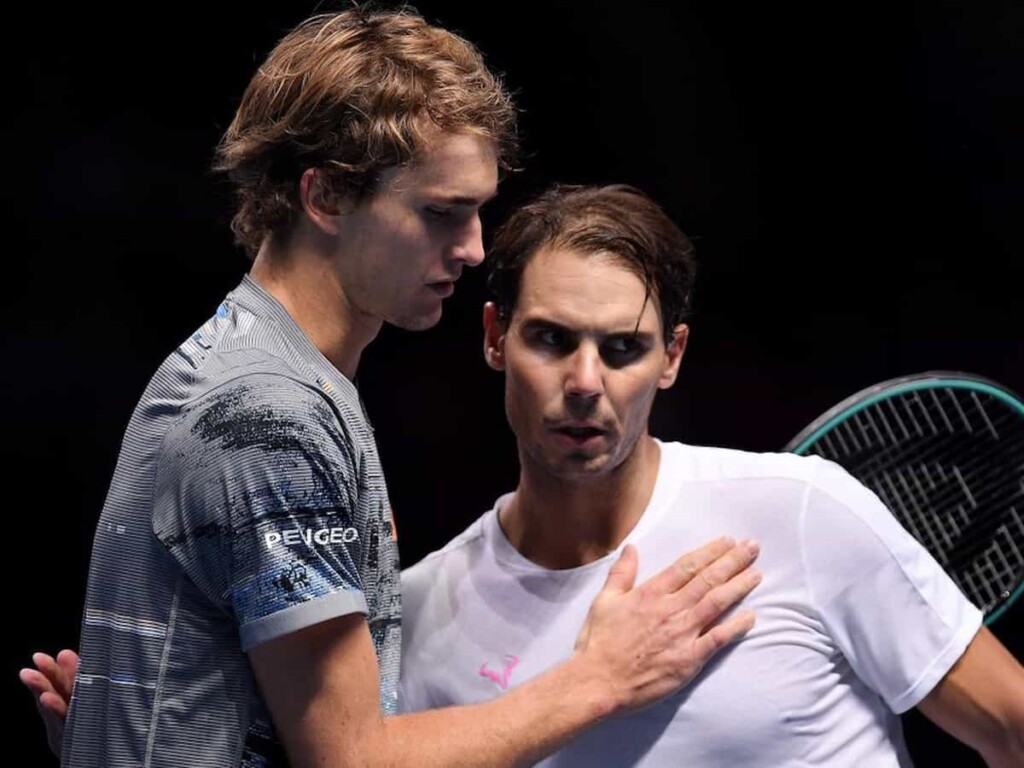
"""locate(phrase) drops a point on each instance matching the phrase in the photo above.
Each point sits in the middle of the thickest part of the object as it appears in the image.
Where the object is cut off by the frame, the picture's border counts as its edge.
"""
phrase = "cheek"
(407, 237)
(514, 410)
(524, 396)
(633, 399)
(516, 398)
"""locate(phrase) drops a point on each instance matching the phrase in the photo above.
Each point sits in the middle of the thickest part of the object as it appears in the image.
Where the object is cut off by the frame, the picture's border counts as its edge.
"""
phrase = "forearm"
(516, 729)
(979, 728)
(1003, 745)
(1008, 755)
(321, 683)
(981, 702)
(333, 720)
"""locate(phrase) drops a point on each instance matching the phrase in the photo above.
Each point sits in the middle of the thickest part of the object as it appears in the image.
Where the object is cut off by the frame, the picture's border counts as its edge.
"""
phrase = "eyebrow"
(540, 324)
(464, 199)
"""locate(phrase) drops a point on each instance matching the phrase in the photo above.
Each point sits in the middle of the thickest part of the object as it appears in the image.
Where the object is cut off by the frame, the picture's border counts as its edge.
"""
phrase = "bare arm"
(638, 645)
(321, 684)
(981, 702)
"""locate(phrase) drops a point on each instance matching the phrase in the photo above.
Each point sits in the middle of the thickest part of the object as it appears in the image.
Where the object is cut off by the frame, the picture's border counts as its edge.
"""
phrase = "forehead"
(582, 290)
(452, 167)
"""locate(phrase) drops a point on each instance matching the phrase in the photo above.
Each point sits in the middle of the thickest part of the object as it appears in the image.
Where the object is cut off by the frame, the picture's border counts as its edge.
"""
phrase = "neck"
(300, 277)
(560, 522)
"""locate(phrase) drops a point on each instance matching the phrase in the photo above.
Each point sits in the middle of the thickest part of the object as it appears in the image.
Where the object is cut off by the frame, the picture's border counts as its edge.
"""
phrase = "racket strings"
(976, 488)
(981, 477)
(949, 463)
(983, 480)
(871, 430)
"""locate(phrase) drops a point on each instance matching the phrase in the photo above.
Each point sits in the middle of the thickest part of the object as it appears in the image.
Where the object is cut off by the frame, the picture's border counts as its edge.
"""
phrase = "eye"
(437, 212)
(551, 339)
(622, 350)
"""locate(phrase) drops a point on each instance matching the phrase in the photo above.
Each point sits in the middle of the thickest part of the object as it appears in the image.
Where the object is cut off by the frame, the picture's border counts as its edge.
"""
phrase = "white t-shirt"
(855, 621)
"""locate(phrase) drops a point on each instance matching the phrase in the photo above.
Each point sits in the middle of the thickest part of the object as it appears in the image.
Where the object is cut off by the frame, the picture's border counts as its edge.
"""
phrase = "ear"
(494, 337)
(318, 202)
(674, 356)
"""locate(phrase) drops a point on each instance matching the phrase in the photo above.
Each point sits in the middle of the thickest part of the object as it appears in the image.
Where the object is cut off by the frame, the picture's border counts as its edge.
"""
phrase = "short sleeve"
(894, 613)
(254, 498)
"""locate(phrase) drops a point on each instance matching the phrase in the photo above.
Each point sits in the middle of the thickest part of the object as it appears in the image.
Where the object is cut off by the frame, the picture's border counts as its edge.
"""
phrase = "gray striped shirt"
(247, 502)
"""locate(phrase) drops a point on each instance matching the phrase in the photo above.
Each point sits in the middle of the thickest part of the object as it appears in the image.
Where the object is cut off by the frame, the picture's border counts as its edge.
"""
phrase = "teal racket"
(945, 451)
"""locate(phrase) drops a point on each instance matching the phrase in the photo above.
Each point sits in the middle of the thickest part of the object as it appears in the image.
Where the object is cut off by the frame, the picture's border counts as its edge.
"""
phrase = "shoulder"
(773, 491)
(257, 411)
(274, 393)
(816, 482)
(461, 547)
(434, 590)
(439, 572)
(699, 463)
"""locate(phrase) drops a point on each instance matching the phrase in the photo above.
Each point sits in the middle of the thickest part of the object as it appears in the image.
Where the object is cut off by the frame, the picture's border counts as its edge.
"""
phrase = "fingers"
(51, 681)
(622, 574)
(686, 567)
(61, 674)
(53, 704)
(721, 635)
(649, 640)
(36, 682)
(49, 701)
(719, 572)
(714, 602)
(67, 660)
(690, 565)
(46, 664)
(50, 684)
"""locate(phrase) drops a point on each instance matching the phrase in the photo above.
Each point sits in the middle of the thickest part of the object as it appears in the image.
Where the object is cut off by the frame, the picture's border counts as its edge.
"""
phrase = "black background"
(849, 172)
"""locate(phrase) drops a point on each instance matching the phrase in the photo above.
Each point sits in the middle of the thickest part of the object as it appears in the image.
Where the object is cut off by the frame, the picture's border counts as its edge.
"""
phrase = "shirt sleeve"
(254, 499)
(898, 618)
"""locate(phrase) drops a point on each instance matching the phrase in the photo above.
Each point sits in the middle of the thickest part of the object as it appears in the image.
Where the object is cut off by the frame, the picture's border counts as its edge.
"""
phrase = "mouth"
(580, 435)
(443, 289)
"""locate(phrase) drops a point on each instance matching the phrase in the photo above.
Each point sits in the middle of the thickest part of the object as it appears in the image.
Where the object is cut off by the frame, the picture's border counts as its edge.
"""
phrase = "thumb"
(622, 575)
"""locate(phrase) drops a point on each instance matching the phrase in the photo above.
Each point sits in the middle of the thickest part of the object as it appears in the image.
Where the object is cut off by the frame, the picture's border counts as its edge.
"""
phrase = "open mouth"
(581, 431)
(443, 289)
(580, 435)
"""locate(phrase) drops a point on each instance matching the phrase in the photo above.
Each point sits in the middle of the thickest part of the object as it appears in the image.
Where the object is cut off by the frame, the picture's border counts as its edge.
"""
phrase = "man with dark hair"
(856, 621)
(243, 601)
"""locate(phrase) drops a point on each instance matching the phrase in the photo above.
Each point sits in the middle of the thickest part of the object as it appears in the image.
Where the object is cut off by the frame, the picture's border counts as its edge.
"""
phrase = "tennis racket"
(945, 451)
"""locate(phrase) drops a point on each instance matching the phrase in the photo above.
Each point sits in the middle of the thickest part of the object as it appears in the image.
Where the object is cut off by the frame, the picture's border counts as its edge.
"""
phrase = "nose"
(469, 245)
(584, 380)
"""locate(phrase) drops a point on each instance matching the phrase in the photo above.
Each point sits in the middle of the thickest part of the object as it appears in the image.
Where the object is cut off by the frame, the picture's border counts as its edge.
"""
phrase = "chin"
(420, 322)
(579, 466)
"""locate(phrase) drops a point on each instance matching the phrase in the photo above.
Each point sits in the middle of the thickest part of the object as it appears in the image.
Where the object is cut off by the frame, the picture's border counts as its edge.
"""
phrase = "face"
(580, 373)
(401, 250)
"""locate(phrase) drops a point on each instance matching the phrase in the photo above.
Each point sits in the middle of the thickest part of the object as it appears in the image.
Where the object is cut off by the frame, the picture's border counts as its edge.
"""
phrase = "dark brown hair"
(616, 220)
